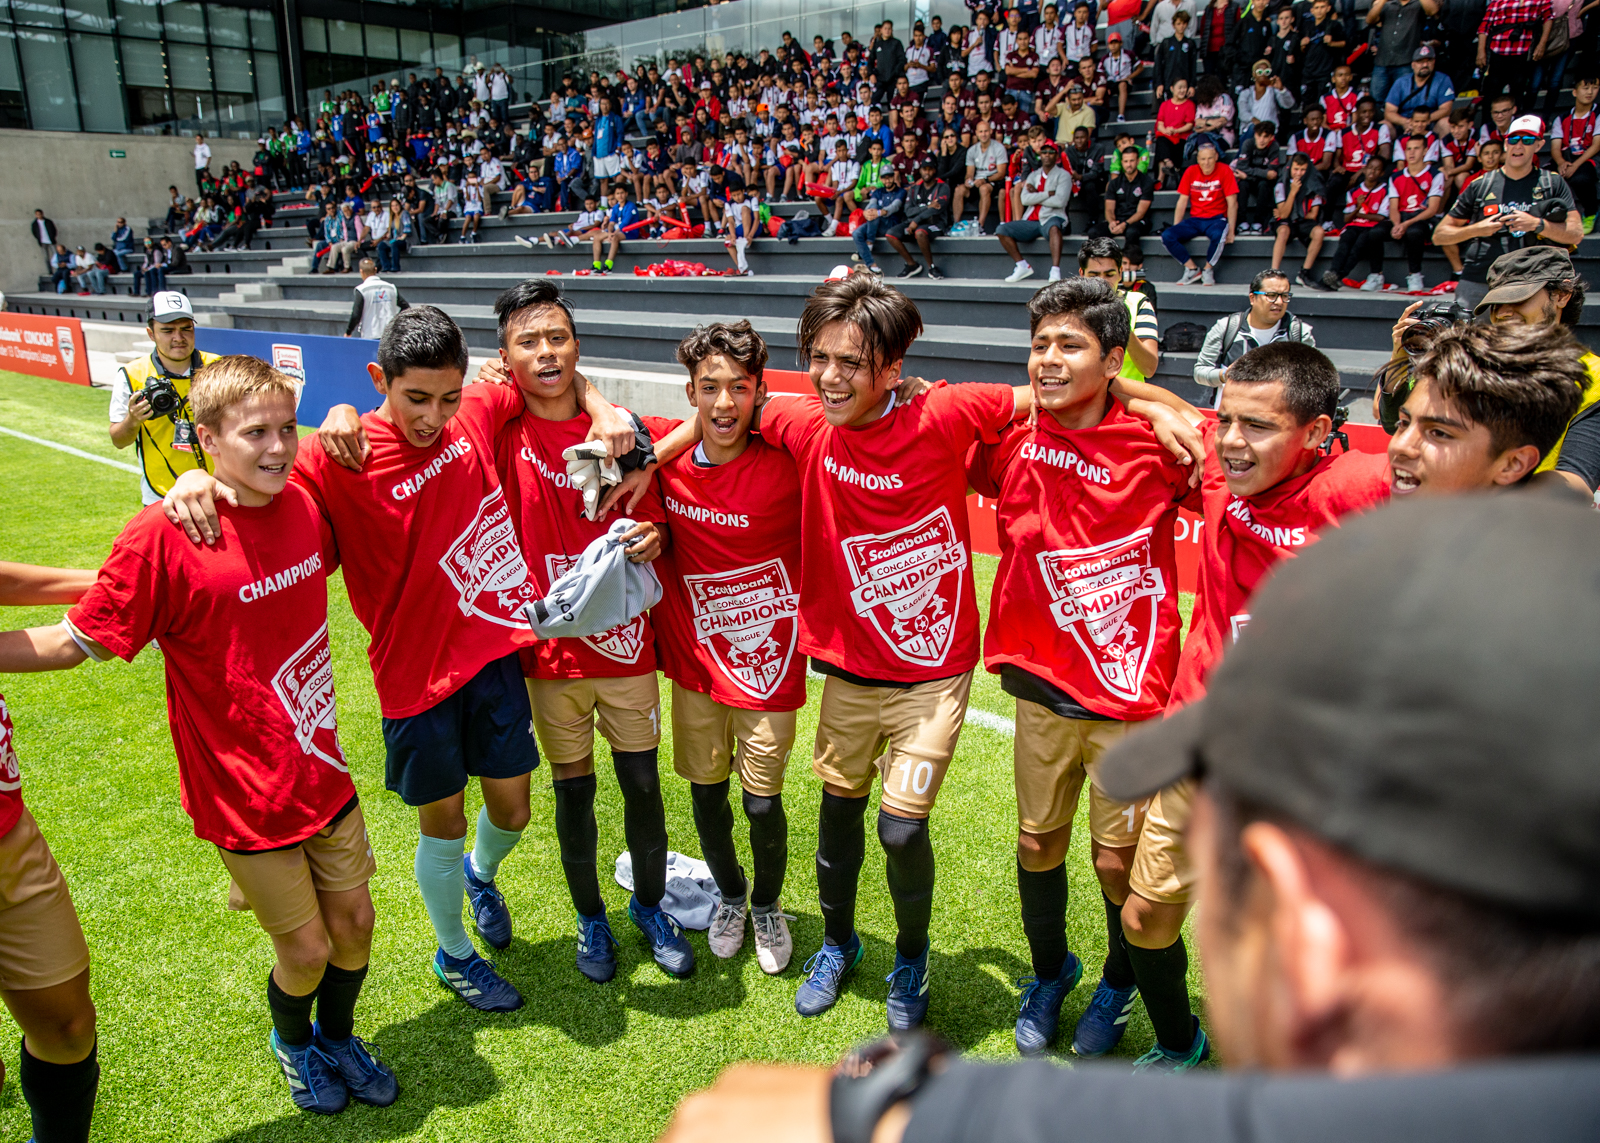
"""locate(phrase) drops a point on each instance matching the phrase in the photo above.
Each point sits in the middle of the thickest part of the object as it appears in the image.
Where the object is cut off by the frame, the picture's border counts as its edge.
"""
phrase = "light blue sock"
(443, 890)
(491, 846)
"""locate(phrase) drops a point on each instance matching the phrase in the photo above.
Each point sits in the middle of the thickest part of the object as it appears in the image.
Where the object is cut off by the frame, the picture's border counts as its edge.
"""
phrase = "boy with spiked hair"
(1084, 632)
(243, 629)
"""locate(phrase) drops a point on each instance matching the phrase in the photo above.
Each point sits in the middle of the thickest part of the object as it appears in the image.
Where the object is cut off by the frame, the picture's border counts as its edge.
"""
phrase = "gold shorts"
(41, 941)
(565, 712)
(1051, 757)
(908, 735)
(1161, 869)
(709, 739)
(281, 885)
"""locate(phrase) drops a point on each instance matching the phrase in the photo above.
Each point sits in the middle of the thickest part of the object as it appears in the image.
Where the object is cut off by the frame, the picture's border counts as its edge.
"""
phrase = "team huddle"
(452, 508)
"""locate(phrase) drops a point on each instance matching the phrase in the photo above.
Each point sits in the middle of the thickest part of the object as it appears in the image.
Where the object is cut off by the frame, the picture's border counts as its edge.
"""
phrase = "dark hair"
(1513, 983)
(1128, 148)
(530, 293)
(737, 340)
(1092, 301)
(887, 320)
(1207, 90)
(422, 337)
(1503, 97)
(1310, 381)
(1133, 253)
(1097, 248)
(1521, 382)
(1264, 276)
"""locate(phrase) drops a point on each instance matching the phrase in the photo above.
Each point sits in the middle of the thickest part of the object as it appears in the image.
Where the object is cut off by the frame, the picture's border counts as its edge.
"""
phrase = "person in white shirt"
(986, 173)
(376, 302)
(492, 173)
(1047, 37)
(202, 158)
(1159, 14)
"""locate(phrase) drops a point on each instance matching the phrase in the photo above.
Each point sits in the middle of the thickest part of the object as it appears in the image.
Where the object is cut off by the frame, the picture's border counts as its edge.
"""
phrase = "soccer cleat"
(1020, 271)
(1041, 1006)
(1208, 277)
(1191, 275)
(597, 948)
(1331, 281)
(726, 934)
(1055, 274)
(314, 1080)
(489, 913)
(910, 270)
(908, 992)
(1163, 1062)
(826, 973)
(667, 944)
(367, 1080)
(774, 946)
(1415, 284)
(476, 982)
(1102, 1024)
(936, 273)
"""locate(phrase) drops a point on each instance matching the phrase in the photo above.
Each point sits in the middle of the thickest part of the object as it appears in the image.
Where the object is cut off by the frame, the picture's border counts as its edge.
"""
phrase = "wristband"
(873, 1079)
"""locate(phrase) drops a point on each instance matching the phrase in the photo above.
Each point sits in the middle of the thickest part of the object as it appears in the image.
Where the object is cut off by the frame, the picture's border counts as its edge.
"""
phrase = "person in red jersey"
(436, 576)
(887, 609)
(1084, 632)
(243, 631)
(1268, 489)
(44, 960)
(727, 630)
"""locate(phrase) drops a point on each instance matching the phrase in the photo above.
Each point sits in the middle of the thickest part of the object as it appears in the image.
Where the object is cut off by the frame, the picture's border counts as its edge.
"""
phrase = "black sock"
(910, 869)
(291, 1015)
(60, 1097)
(1118, 972)
(769, 846)
(1044, 917)
(841, 848)
(578, 837)
(644, 822)
(1163, 982)
(713, 821)
(336, 1000)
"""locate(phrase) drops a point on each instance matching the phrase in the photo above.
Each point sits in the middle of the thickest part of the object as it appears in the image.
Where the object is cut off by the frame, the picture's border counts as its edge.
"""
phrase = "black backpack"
(1183, 337)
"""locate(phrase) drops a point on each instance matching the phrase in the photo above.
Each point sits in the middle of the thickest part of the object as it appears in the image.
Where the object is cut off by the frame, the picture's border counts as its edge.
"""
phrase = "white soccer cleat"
(774, 946)
(1373, 283)
(1021, 271)
(726, 934)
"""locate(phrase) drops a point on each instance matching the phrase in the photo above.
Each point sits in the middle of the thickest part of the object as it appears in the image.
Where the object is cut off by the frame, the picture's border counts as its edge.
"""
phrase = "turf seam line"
(68, 449)
(996, 722)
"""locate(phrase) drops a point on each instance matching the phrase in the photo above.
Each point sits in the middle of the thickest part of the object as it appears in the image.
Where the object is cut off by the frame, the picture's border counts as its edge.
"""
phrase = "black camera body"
(163, 396)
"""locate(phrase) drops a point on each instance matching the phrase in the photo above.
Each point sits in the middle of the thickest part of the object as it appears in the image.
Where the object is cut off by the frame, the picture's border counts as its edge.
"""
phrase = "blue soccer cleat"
(368, 1080)
(667, 943)
(1101, 1026)
(597, 956)
(908, 992)
(1041, 1006)
(489, 912)
(826, 973)
(314, 1080)
(1161, 1061)
(475, 981)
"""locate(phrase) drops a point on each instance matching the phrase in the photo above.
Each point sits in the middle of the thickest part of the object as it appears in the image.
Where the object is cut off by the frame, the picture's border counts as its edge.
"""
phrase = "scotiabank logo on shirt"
(908, 582)
(304, 684)
(748, 620)
(1107, 596)
(486, 566)
(622, 642)
(10, 771)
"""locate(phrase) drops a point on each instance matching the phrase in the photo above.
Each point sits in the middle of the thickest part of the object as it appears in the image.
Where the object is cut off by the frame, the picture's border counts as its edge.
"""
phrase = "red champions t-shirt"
(10, 774)
(886, 579)
(728, 624)
(554, 532)
(243, 629)
(1243, 539)
(1208, 194)
(430, 550)
(1086, 597)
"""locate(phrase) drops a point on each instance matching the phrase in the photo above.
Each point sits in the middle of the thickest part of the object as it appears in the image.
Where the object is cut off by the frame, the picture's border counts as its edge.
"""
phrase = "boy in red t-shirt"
(1208, 203)
(727, 630)
(1084, 632)
(243, 630)
(44, 960)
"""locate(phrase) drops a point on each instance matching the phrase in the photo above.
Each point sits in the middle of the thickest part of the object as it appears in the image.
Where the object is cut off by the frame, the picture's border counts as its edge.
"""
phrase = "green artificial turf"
(180, 981)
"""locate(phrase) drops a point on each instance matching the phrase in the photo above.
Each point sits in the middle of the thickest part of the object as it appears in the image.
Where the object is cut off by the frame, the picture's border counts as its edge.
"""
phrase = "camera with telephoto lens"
(162, 396)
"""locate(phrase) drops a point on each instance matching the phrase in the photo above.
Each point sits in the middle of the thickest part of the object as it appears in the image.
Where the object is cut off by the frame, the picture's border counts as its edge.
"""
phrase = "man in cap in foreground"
(1398, 864)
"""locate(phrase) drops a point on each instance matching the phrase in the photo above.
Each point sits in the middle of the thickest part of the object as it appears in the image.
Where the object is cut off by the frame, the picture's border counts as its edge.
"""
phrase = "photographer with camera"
(1517, 206)
(150, 399)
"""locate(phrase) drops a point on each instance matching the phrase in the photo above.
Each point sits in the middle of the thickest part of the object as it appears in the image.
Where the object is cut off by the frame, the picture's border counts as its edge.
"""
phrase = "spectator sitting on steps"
(1045, 195)
(1208, 203)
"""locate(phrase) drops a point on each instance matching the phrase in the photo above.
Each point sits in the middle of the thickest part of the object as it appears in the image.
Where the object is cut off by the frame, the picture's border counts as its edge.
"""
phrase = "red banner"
(44, 347)
(984, 522)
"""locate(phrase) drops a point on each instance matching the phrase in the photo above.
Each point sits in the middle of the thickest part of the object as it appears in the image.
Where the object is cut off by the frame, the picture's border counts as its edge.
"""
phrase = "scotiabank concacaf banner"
(44, 347)
(332, 369)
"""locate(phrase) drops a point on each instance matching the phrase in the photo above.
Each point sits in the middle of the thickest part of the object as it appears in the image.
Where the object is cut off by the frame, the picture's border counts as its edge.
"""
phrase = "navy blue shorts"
(484, 730)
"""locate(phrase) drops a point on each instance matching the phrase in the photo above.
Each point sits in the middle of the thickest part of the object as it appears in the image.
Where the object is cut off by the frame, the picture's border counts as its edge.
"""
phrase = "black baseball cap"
(1517, 276)
(1418, 689)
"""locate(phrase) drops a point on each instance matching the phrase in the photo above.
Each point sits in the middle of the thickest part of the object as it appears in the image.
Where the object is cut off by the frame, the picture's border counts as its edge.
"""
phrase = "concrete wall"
(74, 180)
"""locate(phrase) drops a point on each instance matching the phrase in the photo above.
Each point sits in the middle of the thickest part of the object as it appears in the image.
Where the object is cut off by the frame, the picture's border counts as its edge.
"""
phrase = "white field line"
(70, 451)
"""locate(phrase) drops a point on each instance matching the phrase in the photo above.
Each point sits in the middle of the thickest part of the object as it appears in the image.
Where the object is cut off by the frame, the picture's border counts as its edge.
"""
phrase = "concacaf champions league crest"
(749, 620)
(623, 642)
(486, 566)
(304, 684)
(1108, 597)
(909, 583)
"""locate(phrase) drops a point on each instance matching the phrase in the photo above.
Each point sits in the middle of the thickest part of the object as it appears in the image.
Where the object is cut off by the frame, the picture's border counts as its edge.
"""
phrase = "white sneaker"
(774, 946)
(1055, 273)
(1373, 283)
(1207, 277)
(833, 225)
(726, 934)
(1414, 283)
(1021, 271)
(523, 242)
(1190, 277)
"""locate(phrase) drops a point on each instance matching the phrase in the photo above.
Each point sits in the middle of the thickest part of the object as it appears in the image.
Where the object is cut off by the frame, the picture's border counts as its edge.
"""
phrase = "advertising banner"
(44, 347)
(332, 369)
